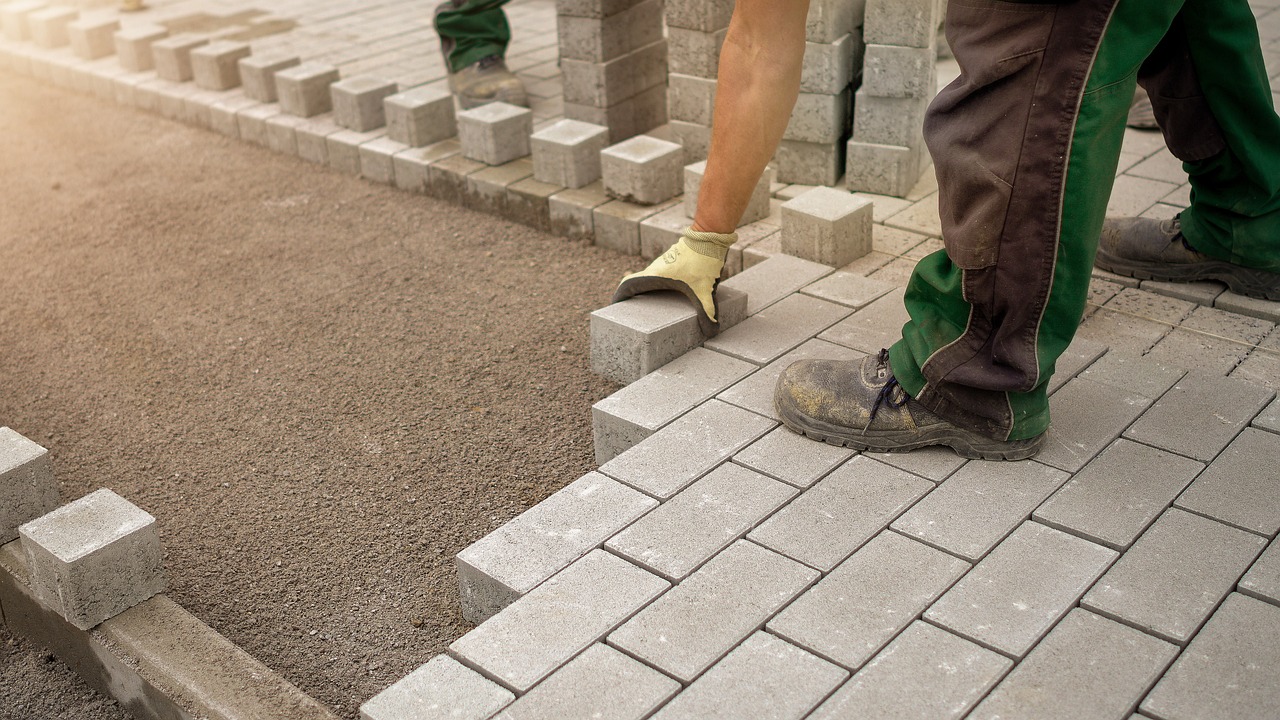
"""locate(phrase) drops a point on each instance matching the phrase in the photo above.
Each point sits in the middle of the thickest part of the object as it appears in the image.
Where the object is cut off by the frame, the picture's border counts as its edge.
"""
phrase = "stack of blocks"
(812, 151)
(695, 30)
(899, 79)
(614, 63)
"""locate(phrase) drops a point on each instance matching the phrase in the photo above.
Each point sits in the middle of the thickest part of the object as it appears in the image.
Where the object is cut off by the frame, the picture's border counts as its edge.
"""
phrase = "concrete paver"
(1200, 415)
(792, 458)
(599, 683)
(1239, 487)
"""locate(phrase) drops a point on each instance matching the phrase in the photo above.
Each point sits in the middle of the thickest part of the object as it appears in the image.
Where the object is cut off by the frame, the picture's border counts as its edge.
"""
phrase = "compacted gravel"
(321, 387)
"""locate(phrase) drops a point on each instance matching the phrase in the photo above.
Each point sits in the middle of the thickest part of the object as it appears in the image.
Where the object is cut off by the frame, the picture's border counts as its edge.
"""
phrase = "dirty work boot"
(861, 406)
(691, 267)
(486, 81)
(1156, 250)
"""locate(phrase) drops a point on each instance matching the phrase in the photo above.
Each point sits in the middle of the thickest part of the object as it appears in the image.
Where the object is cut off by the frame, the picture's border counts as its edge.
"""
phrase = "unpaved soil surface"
(321, 387)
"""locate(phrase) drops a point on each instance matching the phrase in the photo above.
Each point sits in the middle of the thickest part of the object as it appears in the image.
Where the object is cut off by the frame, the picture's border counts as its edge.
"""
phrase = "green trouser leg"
(1235, 195)
(472, 29)
(1025, 145)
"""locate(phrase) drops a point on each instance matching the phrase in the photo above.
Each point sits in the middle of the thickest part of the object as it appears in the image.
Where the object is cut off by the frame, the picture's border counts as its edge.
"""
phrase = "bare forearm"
(759, 79)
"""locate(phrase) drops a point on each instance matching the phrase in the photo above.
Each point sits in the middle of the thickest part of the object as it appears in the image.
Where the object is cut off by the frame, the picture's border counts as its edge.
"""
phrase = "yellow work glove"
(691, 267)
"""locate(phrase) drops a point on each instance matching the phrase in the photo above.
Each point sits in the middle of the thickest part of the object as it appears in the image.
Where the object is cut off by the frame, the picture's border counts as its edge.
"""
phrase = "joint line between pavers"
(1220, 521)
(1180, 644)
(467, 663)
(984, 645)
(953, 553)
(1169, 450)
(1236, 588)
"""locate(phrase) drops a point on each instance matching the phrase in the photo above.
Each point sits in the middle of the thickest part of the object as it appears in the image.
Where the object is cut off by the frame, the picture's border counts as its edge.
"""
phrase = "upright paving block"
(828, 20)
(810, 163)
(883, 169)
(924, 673)
(643, 170)
(605, 38)
(1175, 575)
(1087, 667)
(216, 66)
(757, 207)
(258, 74)
(861, 605)
(1230, 669)
(1021, 589)
(691, 99)
(700, 620)
(496, 133)
(693, 52)
(672, 458)
(1118, 494)
(27, 487)
(568, 153)
(133, 46)
(506, 564)
(1239, 486)
(703, 15)
(93, 38)
(48, 27)
(633, 338)
(172, 56)
(421, 116)
(303, 90)
(93, 558)
(545, 629)
(441, 688)
(765, 676)
(840, 513)
(829, 68)
(13, 19)
(897, 71)
(907, 23)
(700, 521)
(358, 102)
(828, 226)
(820, 118)
(599, 683)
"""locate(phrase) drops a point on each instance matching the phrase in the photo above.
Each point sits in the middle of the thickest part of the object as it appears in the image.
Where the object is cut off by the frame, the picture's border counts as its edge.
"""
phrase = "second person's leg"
(474, 35)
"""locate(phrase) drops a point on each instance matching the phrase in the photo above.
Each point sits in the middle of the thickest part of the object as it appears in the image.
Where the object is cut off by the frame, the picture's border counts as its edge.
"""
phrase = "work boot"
(691, 267)
(1141, 115)
(862, 406)
(1156, 250)
(486, 81)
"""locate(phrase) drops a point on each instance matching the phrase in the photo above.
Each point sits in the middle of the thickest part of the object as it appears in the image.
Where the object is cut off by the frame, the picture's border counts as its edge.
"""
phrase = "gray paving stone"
(506, 564)
(1263, 579)
(1087, 417)
(700, 521)
(979, 506)
(931, 463)
(1240, 486)
(1201, 293)
(93, 558)
(700, 620)
(172, 56)
(617, 224)
(377, 159)
(303, 90)
(528, 202)
(1230, 670)
(643, 170)
(1088, 667)
(755, 393)
(1021, 589)
(688, 448)
(827, 226)
(861, 605)
(848, 289)
(541, 631)
(258, 74)
(28, 489)
(764, 677)
(93, 38)
(48, 27)
(282, 133)
(442, 689)
(495, 133)
(1200, 415)
(758, 207)
(358, 102)
(568, 153)
(1245, 305)
(638, 410)
(1133, 374)
(1080, 354)
(447, 179)
(775, 279)
(769, 334)
(487, 188)
(1118, 494)
(1269, 418)
(133, 46)
(1262, 366)
(312, 137)
(1211, 340)
(659, 232)
(792, 458)
(841, 513)
(344, 149)
(601, 683)
(876, 326)
(216, 66)
(924, 673)
(1174, 575)
(1134, 321)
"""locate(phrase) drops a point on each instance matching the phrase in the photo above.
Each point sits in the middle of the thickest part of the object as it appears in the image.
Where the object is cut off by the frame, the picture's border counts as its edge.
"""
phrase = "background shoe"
(486, 81)
(1156, 250)
(1141, 115)
(861, 406)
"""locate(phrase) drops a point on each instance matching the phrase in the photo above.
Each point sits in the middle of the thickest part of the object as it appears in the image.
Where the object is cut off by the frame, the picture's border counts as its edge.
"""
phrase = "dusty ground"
(321, 387)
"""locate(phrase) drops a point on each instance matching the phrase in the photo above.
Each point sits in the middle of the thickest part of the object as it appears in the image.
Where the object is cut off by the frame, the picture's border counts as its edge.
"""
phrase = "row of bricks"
(89, 560)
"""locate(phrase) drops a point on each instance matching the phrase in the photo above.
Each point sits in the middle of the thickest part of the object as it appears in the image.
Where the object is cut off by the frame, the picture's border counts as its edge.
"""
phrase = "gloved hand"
(691, 267)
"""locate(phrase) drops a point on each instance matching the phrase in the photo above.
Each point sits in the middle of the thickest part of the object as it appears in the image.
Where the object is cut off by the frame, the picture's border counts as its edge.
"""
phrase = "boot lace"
(891, 393)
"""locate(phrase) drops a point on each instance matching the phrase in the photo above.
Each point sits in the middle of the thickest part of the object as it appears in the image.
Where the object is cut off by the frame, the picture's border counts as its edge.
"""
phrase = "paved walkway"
(719, 566)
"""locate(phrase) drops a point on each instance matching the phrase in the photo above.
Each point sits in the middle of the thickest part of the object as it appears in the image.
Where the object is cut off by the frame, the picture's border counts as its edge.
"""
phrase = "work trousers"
(472, 29)
(1026, 144)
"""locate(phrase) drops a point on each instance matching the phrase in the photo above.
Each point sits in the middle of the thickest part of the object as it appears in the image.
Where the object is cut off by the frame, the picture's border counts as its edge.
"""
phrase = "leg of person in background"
(1211, 96)
(473, 36)
(757, 86)
(1026, 143)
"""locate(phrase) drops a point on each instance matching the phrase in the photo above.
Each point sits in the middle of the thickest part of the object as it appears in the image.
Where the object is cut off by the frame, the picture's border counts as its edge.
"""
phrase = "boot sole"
(965, 444)
(1242, 280)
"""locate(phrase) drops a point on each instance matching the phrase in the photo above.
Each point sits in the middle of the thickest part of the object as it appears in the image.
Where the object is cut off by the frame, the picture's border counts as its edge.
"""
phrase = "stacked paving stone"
(695, 30)
(613, 60)
(899, 78)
